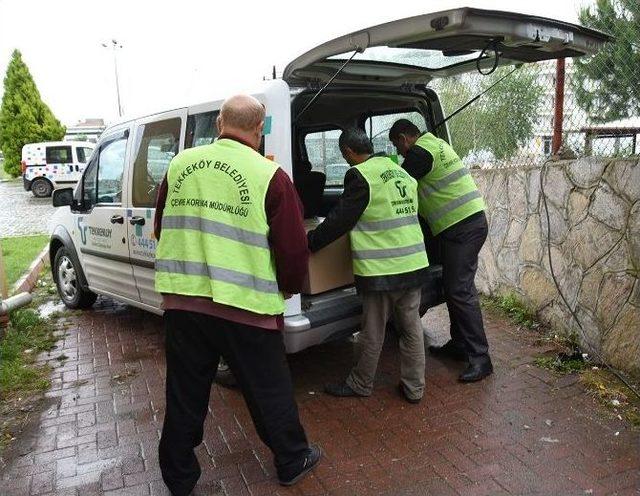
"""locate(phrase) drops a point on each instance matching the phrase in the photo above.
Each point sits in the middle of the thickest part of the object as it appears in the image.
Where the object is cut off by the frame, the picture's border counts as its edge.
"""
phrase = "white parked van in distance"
(104, 242)
(54, 164)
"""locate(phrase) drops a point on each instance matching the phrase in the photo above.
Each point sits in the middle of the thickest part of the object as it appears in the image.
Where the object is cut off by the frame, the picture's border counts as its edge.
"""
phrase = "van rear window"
(83, 154)
(378, 126)
(324, 155)
(59, 155)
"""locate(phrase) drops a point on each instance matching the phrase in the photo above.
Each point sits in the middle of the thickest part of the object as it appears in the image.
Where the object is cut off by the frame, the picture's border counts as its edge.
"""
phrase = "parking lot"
(522, 431)
(20, 212)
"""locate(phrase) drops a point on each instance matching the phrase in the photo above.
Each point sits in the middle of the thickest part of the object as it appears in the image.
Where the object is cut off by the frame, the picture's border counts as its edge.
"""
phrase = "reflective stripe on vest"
(388, 239)
(388, 252)
(448, 193)
(213, 227)
(218, 273)
(436, 215)
(214, 239)
(380, 225)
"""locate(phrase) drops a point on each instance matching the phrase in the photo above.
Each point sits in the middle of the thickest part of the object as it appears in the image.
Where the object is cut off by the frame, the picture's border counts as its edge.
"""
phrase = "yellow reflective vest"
(214, 228)
(447, 193)
(387, 239)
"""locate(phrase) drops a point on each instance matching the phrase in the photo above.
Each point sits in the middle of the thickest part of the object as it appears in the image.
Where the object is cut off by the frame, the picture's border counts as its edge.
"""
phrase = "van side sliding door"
(156, 140)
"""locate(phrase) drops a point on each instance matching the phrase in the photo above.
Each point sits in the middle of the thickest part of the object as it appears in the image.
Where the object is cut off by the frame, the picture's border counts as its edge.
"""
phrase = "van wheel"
(66, 273)
(41, 188)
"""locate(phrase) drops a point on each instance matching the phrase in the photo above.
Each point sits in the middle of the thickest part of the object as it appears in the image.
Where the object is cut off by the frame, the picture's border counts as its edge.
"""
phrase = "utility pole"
(558, 115)
(115, 46)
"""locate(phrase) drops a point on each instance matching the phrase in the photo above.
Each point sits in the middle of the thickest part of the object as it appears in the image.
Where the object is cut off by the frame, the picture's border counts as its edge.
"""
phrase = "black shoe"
(403, 393)
(310, 461)
(342, 390)
(449, 350)
(225, 378)
(477, 371)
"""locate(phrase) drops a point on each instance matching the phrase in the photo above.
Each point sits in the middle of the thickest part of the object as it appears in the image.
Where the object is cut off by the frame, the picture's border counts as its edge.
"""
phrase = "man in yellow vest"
(379, 211)
(453, 209)
(231, 246)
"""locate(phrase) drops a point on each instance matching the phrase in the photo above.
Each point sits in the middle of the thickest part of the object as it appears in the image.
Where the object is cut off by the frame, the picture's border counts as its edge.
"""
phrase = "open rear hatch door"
(418, 49)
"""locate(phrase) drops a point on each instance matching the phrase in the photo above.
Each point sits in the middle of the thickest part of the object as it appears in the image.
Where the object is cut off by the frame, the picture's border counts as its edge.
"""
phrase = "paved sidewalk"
(523, 431)
(21, 213)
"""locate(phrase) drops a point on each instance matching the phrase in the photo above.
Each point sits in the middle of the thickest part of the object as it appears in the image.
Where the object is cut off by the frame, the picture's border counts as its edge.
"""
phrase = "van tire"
(66, 273)
(41, 188)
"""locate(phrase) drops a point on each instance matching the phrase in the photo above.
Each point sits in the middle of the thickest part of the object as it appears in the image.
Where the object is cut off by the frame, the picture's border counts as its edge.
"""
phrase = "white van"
(53, 164)
(104, 243)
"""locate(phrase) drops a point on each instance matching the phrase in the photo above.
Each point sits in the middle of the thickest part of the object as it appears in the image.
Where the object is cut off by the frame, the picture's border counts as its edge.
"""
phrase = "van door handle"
(117, 219)
(136, 221)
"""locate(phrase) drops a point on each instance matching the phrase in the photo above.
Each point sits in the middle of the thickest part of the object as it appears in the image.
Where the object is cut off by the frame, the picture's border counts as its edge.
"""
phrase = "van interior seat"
(310, 186)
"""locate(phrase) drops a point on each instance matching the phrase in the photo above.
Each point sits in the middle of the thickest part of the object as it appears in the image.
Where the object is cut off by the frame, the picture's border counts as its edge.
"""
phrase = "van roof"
(61, 143)
(247, 89)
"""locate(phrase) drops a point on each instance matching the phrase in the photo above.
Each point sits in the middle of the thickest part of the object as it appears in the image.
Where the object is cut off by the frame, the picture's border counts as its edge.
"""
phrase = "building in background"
(86, 130)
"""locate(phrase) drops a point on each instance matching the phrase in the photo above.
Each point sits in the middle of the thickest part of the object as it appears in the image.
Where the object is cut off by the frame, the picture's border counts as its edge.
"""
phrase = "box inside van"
(104, 243)
(50, 165)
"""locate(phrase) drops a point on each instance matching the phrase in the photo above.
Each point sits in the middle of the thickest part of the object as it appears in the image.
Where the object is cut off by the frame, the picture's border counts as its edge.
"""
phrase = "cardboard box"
(331, 267)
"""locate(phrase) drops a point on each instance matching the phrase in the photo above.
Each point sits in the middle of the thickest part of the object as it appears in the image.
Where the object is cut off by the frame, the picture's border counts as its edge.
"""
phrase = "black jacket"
(342, 219)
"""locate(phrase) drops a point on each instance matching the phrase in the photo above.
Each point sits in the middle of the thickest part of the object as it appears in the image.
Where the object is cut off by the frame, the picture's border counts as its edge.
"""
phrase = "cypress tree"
(24, 117)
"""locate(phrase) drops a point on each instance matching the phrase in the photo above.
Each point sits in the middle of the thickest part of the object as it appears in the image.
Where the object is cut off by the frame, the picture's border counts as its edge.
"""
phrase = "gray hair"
(355, 139)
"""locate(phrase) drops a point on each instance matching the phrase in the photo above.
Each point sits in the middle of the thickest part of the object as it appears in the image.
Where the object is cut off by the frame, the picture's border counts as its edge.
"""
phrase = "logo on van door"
(83, 231)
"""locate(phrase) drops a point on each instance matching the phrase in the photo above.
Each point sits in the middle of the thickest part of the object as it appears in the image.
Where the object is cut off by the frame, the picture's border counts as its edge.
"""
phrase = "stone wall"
(594, 208)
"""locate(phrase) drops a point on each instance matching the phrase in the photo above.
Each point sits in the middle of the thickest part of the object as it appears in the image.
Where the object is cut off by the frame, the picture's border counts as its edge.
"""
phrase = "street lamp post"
(115, 45)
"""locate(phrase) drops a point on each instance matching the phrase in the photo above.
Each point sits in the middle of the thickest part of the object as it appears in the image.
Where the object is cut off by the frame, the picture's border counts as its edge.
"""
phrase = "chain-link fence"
(514, 123)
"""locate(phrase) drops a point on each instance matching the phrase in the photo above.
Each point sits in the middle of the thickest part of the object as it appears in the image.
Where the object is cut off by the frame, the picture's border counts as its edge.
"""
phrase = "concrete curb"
(28, 281)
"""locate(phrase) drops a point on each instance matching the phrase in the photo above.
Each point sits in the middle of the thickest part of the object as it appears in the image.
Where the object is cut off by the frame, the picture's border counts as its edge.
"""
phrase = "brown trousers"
(377, 308)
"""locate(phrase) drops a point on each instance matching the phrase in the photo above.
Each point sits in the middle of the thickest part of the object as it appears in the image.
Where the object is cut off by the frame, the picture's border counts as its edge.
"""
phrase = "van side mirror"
(62, 197)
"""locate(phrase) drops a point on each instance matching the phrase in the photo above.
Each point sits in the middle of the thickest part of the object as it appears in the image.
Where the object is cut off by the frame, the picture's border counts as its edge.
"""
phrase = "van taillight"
(24, 166)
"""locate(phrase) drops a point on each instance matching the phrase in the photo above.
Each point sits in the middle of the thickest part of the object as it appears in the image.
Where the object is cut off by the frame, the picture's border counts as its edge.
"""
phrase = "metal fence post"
(558, 115)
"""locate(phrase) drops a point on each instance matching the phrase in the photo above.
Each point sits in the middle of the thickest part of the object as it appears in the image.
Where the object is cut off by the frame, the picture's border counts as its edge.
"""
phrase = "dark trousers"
(460, 245)
(194, 344)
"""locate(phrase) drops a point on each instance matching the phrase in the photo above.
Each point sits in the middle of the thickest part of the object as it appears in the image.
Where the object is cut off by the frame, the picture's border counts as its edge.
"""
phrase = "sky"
(189, 51)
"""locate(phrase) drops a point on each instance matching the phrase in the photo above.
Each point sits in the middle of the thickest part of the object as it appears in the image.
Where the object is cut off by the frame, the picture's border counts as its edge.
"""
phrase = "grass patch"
(27, 335)
(19, 252)
(563, 363)
(514, 308)
(611, 393)
(22, 380)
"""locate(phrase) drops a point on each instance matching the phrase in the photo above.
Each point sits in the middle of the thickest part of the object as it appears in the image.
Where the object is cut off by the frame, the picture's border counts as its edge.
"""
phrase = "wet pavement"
(523, 431)
(20, 212)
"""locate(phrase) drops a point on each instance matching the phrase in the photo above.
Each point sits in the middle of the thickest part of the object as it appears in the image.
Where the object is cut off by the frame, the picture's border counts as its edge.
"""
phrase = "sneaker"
(311, 459)
(403, 393)
(342, 390)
